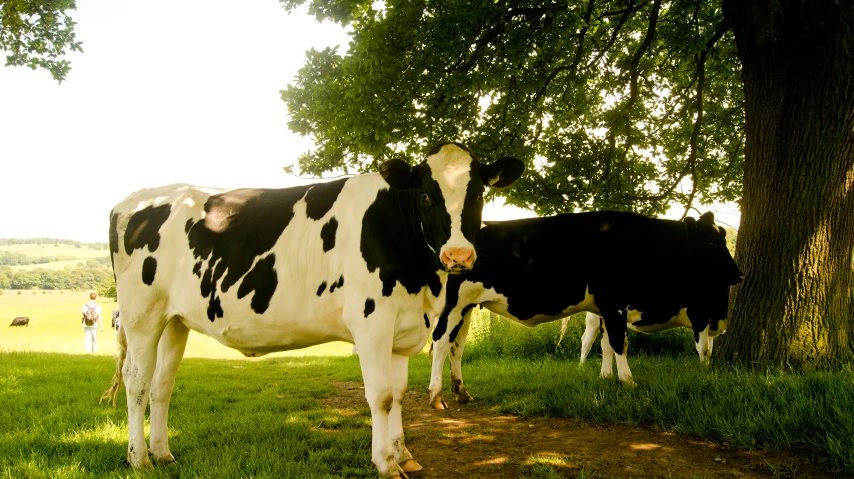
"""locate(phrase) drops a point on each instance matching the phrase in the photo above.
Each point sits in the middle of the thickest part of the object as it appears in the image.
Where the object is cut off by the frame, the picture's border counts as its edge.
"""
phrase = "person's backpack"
(115, 320)
(90, 317)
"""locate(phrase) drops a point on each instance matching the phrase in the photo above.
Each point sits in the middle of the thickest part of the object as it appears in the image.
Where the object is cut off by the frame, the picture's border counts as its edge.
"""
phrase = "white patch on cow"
(451, 168)
(680, 320)
(721, 328)
(704, 346)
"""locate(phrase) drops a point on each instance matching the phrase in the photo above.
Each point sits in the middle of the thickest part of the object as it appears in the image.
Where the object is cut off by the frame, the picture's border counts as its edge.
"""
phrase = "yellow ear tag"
(494, 180)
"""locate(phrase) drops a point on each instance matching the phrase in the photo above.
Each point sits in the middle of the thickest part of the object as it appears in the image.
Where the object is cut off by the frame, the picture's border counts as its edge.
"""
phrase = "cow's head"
(451, 183)
(715, 271)
(708, 247)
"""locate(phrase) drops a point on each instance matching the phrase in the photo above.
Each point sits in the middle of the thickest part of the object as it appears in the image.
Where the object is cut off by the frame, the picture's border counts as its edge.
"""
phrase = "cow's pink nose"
(458, 258)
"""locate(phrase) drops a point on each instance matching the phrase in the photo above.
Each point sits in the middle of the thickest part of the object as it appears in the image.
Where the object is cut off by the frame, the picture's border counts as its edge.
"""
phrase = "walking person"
(91, 323)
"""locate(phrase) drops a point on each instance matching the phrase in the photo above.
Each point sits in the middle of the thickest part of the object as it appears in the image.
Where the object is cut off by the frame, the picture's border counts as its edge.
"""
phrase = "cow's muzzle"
(458, 259)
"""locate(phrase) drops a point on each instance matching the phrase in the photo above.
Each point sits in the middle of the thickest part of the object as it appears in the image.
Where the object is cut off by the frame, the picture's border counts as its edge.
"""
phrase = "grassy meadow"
(262, 418)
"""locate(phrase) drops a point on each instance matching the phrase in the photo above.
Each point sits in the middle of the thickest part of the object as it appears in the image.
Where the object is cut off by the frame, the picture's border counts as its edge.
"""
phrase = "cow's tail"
(116, 383)
(564, 324)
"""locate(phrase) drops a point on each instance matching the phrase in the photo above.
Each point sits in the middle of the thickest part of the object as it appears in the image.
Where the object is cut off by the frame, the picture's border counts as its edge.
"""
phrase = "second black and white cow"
(625, 267)
(363, 259)
(21, 321)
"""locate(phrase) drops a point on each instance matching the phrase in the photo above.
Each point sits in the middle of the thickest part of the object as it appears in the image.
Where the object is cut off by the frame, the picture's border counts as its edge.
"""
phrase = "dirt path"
(470, 441)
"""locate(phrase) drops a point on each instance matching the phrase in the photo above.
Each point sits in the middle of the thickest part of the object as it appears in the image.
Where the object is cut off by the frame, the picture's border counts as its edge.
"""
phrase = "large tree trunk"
(796, 239)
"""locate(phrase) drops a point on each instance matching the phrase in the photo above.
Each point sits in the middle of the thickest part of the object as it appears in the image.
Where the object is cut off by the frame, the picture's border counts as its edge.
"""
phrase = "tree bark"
(795, 245)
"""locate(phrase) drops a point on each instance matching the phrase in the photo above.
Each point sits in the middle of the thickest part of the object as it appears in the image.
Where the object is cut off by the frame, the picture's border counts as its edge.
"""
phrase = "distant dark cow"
(362, 259)
(624, 267)
(21, 321)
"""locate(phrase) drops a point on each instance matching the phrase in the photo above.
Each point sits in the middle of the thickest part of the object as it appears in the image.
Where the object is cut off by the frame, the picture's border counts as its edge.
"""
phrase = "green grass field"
(263, 418)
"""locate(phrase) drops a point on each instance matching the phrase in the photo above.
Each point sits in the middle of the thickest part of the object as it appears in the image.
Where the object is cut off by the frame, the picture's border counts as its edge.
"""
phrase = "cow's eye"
(713, 245)
(425, 199)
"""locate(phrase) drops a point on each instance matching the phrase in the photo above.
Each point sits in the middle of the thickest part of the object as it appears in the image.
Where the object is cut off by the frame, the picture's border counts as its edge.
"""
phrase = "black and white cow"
(625, 267)
(21, 321)
(361, 259)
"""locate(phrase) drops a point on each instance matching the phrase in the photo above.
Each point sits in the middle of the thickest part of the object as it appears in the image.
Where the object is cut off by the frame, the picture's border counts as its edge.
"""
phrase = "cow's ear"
(502, 173)
(722, 231)
(690, 222)
(399, 174)
(707, 219)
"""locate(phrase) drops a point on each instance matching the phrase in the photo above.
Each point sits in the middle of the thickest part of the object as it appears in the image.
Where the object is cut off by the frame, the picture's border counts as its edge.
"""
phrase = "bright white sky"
(166, 92)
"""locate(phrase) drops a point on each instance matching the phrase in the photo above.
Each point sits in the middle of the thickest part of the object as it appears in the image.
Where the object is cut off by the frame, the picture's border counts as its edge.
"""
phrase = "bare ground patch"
(471, 441)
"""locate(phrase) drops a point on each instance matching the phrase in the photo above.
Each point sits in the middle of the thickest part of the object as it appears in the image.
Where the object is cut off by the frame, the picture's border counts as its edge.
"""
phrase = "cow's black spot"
(369, 307)
(215, 309)
(321, 197)
(114, 233)
(263, 280)
(400, 253)
(149, 268)
(197, 269)
(452, 296)
(426, 321)
(327, 234)
(144, 226)
(188, 225)
(337, 284)
(114, 241)
(321, 288)
(467, 309)
(453, 336)
(238, 227)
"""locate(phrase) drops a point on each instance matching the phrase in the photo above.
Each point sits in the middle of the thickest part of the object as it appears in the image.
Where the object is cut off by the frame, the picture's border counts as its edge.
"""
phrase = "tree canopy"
(614, 104)
(37, 34)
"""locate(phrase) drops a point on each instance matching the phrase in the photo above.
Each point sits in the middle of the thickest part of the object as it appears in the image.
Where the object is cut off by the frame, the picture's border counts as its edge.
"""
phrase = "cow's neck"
(393, 242)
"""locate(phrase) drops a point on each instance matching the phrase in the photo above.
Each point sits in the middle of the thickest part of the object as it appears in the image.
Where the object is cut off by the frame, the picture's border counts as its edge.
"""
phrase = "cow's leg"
(400, 371)
(170, 351)
(617, 339)
(441, 348)
(458, 345)
(591, 327)
(607, 356)
(704, 345)
(137, 373)
(374, 344)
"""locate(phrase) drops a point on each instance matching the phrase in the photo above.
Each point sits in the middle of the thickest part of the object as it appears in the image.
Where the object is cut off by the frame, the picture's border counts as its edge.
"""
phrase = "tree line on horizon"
(88, 274)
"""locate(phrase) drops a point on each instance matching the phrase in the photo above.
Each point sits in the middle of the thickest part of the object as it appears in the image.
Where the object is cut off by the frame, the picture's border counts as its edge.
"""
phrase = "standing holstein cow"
(21, 321)
(361, 259)
(625, 267)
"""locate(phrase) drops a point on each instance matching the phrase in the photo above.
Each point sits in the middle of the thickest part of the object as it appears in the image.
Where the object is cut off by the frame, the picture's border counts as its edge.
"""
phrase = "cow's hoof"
(166, 460)
(438, 402)
(463, 396)
(629, 382)
(400, 473)
(410, 465)
(144, 464)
